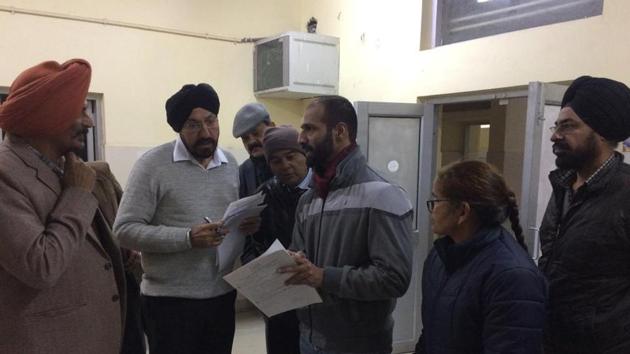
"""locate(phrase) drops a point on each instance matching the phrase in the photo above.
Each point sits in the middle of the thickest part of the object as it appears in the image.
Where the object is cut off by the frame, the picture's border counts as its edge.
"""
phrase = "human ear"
(339, 130)
(464, 211)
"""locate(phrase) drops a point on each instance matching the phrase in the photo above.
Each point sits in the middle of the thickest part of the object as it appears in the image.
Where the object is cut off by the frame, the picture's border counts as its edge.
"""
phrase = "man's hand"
(133, 257)
(250, 225)
(306, 273)
(77, 174)
(207, 235)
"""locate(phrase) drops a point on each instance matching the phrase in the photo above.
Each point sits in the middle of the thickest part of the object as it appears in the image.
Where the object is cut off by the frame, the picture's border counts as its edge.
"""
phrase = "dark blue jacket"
(482, 296)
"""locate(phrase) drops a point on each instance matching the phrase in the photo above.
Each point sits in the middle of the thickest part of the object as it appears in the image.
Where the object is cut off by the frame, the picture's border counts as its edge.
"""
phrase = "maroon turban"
(46, 99)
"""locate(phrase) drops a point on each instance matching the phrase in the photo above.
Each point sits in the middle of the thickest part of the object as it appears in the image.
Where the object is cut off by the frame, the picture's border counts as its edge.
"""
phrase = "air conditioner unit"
(296, 65)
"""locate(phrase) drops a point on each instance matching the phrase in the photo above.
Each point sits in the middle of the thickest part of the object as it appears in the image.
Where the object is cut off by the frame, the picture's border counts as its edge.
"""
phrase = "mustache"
(205, 142)
(81, 132)
(560, 145)
(252, 146)
(307, 147)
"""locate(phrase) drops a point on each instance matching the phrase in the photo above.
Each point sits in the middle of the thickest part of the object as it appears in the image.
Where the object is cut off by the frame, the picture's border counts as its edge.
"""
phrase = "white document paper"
(261, 284)
(233, 243)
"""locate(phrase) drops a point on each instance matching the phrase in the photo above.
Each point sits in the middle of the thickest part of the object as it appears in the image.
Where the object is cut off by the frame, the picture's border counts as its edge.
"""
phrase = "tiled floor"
(250, 333)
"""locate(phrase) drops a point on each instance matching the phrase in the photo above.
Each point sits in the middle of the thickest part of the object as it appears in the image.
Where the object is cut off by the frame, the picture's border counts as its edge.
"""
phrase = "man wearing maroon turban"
(61, 276)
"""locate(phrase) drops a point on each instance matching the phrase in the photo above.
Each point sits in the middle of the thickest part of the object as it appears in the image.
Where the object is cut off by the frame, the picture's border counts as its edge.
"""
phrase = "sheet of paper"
(261, 284)
(233, 243)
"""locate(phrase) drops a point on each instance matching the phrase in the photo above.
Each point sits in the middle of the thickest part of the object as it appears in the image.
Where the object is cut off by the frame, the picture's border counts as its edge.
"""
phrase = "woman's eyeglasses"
(431, 203)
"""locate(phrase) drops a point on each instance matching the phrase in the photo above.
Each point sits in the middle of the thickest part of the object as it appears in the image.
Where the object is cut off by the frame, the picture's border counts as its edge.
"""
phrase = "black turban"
(603, 104)
(179, 106)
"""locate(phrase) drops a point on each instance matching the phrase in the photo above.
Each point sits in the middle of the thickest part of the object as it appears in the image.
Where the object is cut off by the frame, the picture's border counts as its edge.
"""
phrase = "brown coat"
(61, 276)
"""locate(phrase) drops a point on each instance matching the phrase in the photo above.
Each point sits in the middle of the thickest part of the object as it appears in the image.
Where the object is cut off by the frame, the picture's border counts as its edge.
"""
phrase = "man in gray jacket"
(172, 189)
(353, 233)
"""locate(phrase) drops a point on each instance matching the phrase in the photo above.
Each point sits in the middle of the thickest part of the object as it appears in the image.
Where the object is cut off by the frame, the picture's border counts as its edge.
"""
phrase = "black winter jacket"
(277, 221)
(482, 296)
(586, 258)
(251, 174)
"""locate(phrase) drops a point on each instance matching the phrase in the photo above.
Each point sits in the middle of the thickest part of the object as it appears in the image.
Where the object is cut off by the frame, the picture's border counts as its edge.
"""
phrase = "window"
(461, 20)
(3, 96)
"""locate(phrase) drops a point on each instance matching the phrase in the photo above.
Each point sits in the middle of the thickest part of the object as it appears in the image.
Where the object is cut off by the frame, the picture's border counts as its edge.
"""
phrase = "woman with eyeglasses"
(481, 292)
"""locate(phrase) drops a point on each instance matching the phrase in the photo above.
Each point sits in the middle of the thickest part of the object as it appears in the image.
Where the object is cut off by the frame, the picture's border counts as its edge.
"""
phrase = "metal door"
(398, 141)
(543, 106)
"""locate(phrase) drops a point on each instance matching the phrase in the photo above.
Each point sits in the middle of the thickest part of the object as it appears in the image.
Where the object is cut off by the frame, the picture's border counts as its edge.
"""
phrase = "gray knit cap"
(248, 118)
(284, 137)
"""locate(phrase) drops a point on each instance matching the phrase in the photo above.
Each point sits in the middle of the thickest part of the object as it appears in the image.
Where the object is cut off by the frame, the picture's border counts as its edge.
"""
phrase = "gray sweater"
(163, 199)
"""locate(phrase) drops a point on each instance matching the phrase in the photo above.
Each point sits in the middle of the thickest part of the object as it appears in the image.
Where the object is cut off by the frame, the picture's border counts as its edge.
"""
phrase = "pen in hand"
(219, 231)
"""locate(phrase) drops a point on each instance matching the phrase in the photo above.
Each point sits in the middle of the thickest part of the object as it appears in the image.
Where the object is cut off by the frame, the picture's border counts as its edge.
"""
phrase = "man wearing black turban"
(172, 189)
(585, 234)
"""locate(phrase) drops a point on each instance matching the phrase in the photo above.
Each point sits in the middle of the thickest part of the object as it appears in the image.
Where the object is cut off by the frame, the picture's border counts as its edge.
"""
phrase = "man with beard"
(172, 189)
(585, 233)
(250, 123)
(61, 276)
(353, 233)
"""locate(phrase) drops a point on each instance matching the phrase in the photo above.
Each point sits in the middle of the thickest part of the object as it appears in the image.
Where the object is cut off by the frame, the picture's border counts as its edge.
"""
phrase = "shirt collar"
(565, 178)
(181, 153)
(306, 182)
(53, 166)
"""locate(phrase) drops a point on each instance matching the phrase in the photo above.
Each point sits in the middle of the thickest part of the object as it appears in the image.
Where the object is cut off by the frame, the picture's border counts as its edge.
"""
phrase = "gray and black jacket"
(361, 235)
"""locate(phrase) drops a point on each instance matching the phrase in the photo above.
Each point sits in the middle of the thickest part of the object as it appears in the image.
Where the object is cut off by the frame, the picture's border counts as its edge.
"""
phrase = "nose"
(284, 166)
(555, 137)
(87, 121)
(302, 138)
(205, 131)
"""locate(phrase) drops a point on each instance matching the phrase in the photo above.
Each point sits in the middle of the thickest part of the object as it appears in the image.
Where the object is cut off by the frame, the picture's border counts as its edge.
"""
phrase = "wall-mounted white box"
(296, 65)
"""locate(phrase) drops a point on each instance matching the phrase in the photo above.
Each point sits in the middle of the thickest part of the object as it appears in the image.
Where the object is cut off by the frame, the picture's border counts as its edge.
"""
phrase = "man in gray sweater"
(171, 190)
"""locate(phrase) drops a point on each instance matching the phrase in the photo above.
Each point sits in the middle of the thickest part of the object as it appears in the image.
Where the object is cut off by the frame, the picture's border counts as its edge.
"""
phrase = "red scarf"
(322, 183)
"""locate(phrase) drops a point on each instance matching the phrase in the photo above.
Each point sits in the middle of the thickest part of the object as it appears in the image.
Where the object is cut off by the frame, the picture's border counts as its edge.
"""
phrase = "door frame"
(489, 95)
(426, 162)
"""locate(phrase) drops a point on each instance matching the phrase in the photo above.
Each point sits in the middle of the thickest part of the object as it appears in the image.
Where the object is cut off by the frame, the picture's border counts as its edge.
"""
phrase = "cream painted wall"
(381, 61)
(136, 71)
(380, 58)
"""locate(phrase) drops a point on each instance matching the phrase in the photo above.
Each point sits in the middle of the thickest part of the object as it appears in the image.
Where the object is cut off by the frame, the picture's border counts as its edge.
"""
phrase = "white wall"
(136, 71)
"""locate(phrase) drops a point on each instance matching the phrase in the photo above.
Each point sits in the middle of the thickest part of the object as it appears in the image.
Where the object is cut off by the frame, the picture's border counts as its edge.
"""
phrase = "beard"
(317, 156)
(203, 148)
(574, 159)
(79, 139)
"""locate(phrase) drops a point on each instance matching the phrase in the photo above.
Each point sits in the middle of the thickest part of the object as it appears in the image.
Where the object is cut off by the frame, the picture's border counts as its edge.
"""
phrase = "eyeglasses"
(431, 203)
(563, 128)
(195, 126)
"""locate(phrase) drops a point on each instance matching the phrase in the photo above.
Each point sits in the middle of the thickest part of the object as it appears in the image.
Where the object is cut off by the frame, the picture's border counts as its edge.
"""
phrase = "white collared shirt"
(181, 153)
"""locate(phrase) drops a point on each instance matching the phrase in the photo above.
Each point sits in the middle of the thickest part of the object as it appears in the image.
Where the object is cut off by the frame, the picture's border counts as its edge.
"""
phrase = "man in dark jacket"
(291, 179)
(585, 234)
(353, 231)
(250, 123)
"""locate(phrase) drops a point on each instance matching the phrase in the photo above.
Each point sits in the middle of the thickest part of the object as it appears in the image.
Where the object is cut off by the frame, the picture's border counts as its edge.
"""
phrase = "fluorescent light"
(484, 126)
(480, 1)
